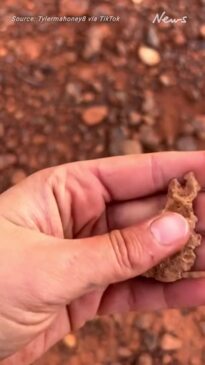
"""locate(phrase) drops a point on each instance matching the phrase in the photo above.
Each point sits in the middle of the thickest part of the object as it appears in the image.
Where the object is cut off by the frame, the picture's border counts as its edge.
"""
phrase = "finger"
(121, 215)
(68, 269)
(145, 294)
(129, 177)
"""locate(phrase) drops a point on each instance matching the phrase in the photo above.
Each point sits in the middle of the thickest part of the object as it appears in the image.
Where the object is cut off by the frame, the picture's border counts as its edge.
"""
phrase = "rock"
(18, 176)
(180, 39)
(74, 7)
(3, 51)
(2, 130)
(149, 56)
(144, 321)
(199, 126)
(202, 30)
(202, 327)
(134, 118)
(186, 143)
(170, 343)
(165, 80)
(6, 160)
(150, 341)
(180, 200)
(131, 147)
(144, 359)
(30, 47)
(95, 115)
(166, 360)
(149, 105)
(124, 352)
(70, 341)
(116, 139)
(149, 138)
(95, 37)
(153, 37)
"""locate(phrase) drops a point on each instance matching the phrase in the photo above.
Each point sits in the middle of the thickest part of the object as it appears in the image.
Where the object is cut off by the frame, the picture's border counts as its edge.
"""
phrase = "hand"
(66, 253)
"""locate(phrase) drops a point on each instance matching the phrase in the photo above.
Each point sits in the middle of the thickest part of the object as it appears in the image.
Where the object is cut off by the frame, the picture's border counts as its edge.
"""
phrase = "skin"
(60, 265)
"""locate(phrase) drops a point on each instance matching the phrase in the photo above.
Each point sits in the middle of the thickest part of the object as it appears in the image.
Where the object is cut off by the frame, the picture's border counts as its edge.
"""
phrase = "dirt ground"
(74, 91)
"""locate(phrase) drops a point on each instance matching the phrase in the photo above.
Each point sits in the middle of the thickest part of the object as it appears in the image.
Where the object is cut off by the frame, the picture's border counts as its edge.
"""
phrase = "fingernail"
(169, 228)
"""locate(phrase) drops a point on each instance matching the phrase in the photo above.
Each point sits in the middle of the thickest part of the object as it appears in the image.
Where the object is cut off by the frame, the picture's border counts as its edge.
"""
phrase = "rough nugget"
(180, 200)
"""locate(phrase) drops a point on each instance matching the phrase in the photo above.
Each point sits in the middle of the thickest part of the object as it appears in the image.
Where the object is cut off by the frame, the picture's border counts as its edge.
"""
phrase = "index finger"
(130, 177)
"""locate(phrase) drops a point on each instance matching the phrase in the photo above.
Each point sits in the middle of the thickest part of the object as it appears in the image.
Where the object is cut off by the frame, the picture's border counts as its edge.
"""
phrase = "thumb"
(76, 267)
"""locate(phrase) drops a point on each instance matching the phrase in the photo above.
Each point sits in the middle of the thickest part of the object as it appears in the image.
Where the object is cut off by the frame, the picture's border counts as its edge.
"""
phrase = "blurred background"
(75, 91)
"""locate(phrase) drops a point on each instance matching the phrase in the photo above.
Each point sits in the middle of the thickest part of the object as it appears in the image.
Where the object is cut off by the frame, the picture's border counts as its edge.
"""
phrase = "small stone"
(145, 359)
(70, 341)
(170, 343)
(165, 80)
(3, 51)
(39, 139)
(145, 321)
(199, 126)
(2, 130)
(18, 176)
(202, 327)
(180, 39)
(202, 30)
(95, 38)
(31, 48)
(134, 118)
(186, 143)
(166, 360)
(124, 352)
(7, 160)
(95, 115)
(149, 56)
(74, 7)
(149, 105)
(150, 341)
(149, 137)
(131, 147)
(153, 37)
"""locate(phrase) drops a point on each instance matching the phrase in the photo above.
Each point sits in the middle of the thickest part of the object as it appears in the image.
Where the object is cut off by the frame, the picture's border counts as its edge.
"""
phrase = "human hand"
(66, 253)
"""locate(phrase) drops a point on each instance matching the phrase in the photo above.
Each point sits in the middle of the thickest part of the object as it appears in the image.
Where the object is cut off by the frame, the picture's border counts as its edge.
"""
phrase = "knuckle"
(128, 250)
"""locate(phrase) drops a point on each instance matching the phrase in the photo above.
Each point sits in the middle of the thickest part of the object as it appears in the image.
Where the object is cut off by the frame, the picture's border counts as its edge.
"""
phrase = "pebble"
(2, 130)
(151, 341)
(124, 352)
(153, 37)
(134, 118)
(95, 115)
(144, 359)
(145, 321)
(18, 176)
(202, 30)
(166, 360)
(170, 343)
(202, 327)
(149, 56)
(149, 106)
(131, 147)
(165, 80)
(149, 138)
(199, 126)
(74, 7)
(7, 160)
(95, 38)
(70, 341)
(186, 143)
